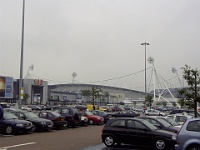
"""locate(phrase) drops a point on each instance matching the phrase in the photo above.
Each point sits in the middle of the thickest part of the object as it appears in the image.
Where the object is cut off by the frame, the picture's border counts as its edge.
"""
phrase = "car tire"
(34, 128)
(9, 129)
(109, 141)
(91, 122)
(160, 144)
(194, 147)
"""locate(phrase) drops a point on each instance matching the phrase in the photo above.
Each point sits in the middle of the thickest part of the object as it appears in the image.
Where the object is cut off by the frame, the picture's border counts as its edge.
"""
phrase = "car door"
(119, 126)
(137, 133)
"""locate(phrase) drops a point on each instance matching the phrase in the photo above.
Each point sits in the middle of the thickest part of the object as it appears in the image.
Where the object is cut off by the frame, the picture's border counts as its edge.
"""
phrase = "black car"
(103, 114)
(39, 124)
(137, 132)
(160, 123)
(58, 120)
(126, 113)
(71, 115)
(10, 124)
(180, 111)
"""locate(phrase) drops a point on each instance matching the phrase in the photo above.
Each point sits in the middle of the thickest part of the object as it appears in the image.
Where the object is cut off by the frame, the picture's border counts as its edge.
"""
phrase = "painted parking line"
(24, 144)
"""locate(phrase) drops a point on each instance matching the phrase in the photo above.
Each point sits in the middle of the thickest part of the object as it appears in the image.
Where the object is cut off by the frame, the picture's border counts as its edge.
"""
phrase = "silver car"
(188, 137)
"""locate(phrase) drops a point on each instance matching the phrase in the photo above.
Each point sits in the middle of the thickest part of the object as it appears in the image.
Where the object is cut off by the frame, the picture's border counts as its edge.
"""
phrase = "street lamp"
(21, 89)
(145, 44)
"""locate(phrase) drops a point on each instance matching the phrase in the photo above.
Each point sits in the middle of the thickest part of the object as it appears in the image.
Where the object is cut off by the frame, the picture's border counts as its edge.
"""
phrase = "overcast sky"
(99, 39)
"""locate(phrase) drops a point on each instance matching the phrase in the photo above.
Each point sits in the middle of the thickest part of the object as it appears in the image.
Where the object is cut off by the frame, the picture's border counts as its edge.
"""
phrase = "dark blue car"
(10, 124)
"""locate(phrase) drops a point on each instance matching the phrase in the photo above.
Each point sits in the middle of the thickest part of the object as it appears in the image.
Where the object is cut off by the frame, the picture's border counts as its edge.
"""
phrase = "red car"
(93, 119)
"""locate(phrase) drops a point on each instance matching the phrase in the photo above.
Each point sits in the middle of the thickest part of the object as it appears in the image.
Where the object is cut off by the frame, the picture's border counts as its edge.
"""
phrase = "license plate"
(50, 125)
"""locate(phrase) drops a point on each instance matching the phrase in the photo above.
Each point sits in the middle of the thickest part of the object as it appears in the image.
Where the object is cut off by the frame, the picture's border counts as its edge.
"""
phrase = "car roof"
(127, 118)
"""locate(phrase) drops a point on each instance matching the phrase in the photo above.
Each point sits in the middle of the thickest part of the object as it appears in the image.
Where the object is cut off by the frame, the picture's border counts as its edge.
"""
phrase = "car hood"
(17, 121)
(38, 120)
(166, 133)
(172, 129)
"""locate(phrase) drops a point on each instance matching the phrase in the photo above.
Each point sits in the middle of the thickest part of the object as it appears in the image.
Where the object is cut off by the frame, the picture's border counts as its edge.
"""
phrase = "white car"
(154, 112)
(180, 118)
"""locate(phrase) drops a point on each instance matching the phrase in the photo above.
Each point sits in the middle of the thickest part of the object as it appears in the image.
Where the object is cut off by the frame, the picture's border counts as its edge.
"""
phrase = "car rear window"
(194, 126)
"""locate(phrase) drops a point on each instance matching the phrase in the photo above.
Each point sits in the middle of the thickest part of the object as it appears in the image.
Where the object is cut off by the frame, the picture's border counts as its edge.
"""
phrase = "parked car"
(103, 114)
(105, 108)
(58, 120)
(172, 122)
(39, 124)
(180, 118)
(93, 119)
(153, 112)
(179, 111)
(117, 108)
(129, 108)
(11, 110)
(137, 132)
(188, 137)
(126, 113)
(80, 107)
(160, 123)
(26, 107)
(10, 124)
(71, 115)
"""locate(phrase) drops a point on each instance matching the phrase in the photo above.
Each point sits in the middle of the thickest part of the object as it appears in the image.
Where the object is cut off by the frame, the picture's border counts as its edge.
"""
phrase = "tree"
(25, 97)
(191, 94)
(94, 93)
(149, 100)
(164, 103)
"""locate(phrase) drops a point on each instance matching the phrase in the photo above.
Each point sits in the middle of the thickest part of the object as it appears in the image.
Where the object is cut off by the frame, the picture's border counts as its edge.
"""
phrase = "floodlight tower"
(74, 74)
(145, 44)
(29, 68)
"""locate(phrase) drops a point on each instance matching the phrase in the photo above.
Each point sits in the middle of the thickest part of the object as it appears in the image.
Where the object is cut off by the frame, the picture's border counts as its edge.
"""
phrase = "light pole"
(21, 88)
(145, 44)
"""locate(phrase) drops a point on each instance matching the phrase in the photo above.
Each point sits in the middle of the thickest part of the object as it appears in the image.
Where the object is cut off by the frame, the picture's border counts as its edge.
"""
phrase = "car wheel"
(33, 128)
(194, 147)
(160, 144)
(91, 122)
(9, 129)
(109, 141)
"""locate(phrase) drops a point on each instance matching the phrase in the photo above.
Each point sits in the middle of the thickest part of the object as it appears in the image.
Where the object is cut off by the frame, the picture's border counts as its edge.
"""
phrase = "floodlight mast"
(145, 44)
(21, 86)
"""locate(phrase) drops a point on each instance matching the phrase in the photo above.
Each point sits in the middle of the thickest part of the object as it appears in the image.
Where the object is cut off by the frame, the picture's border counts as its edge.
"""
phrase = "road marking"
(6, 147)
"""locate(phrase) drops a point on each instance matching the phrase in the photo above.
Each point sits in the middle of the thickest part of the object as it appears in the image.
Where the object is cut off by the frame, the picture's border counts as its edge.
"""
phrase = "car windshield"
(30, 115)
(149, 125)
(8, 116)
(164, 122)
(55, 113)
(172, 121)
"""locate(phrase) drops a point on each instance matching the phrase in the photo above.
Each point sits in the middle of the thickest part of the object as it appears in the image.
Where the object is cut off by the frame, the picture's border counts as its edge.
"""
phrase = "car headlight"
(43, 122)
(174, 137)
(83, 118)
(19, 125)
